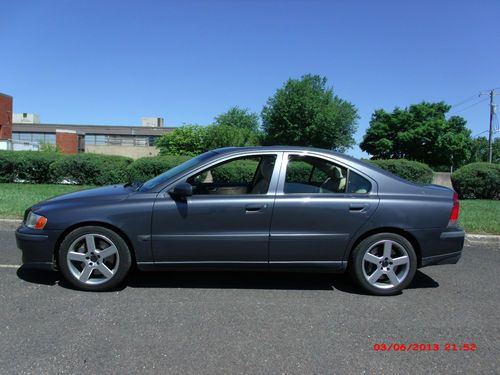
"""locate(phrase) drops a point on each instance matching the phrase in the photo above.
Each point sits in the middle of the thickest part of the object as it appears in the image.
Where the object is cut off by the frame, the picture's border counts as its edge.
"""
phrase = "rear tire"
(383, 264)
(94, 258)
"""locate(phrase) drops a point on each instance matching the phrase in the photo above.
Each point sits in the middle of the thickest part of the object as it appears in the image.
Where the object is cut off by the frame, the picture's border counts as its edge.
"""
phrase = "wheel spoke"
(375, 276)
(90, 241)
(387, 249)
(85, 275)
(77, 257)
(106, 272)
(369, 257)
(107, 252)
(401, 260)
(393, 277)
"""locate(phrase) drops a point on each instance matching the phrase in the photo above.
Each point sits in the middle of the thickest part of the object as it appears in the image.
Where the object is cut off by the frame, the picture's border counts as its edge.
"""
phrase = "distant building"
(24, 131)
(25, 118)
(132, 141)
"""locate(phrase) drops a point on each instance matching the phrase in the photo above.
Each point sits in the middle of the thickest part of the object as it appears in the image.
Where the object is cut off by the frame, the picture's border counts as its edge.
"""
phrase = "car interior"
(246, 175)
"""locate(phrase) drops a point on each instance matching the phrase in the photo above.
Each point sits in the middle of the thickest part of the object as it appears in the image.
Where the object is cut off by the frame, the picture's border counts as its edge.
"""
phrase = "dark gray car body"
(275, 230)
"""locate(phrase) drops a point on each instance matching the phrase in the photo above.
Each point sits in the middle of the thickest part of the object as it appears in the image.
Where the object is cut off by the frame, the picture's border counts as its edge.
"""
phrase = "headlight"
(35, 221)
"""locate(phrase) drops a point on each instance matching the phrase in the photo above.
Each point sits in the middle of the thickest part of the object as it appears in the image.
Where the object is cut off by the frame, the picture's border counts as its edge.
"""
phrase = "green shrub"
(146, 168)
(407, 169)
(91, 169)
(236, 171)
(28, 166)
(8, 166)
(477, 181)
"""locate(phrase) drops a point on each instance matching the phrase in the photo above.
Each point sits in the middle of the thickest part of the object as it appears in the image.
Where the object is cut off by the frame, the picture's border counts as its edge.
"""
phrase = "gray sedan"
(263, 208)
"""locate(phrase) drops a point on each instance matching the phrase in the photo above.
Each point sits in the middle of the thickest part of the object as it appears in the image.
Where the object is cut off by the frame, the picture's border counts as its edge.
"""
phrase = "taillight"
(455, 210)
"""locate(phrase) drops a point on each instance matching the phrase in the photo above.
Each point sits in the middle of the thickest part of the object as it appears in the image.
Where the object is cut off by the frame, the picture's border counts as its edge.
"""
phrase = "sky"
(113, 62)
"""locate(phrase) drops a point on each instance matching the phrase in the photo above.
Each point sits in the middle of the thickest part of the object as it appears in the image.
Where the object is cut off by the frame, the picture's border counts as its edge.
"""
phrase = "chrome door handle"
(253, 208)
(358, 207)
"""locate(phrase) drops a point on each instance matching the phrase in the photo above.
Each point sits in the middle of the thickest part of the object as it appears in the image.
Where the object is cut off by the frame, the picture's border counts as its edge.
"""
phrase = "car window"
(309, 174)
(358, 184)
(181, 168)
(244, 175)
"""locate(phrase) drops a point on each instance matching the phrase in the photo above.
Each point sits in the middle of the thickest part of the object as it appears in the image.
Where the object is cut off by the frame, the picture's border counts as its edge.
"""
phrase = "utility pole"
(492, 94)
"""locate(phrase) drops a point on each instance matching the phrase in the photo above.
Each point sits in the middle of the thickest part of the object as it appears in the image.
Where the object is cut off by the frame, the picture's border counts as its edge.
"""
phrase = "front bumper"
(38, 247)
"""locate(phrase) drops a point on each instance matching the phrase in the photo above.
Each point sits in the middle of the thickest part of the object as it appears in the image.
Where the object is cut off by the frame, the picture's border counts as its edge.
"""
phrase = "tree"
(305, 112)
(230, 136)
(420, 132)
(239, 118)
(187, 140)
(479, 150)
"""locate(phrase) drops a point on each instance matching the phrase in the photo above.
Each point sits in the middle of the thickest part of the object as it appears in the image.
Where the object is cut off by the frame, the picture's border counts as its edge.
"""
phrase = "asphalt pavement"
(216, 323)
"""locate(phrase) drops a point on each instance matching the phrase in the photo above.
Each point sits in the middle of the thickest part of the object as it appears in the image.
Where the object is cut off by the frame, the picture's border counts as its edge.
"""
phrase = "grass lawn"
(476, 216)
(15, 198)
(480, 216)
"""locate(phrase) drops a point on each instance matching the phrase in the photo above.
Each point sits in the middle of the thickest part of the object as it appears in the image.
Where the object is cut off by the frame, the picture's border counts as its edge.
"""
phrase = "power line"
(466, 100)
(470, 106)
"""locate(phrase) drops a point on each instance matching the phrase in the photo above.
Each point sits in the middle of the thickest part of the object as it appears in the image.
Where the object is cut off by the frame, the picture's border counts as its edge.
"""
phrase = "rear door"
(320, 204)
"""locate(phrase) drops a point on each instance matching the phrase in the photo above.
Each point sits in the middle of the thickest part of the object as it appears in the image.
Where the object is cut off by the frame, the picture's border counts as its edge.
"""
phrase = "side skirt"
(283, 266)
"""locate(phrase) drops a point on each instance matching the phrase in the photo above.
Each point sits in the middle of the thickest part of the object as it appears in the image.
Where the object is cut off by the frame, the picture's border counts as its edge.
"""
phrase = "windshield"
(165, 176)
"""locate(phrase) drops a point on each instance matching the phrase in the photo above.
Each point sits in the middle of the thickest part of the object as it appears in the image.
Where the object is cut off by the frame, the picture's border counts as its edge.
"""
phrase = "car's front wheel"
(94, 258)
(383, 264)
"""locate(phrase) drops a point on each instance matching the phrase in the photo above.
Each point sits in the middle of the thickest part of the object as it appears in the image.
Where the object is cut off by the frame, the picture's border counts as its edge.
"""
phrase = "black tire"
(102, 237)
(375, 244)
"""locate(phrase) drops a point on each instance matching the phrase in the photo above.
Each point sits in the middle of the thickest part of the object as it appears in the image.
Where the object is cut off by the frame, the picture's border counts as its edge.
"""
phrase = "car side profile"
(260, 208)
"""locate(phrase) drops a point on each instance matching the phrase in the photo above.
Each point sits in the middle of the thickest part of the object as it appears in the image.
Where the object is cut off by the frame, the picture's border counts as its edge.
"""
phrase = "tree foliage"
(189, 140)
(420, 132)
(479, 150)
(305, 112)
(239, 118)
(229, 136)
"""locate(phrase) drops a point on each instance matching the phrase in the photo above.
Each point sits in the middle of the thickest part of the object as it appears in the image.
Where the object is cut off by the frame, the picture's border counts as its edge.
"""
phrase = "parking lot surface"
(214, 323)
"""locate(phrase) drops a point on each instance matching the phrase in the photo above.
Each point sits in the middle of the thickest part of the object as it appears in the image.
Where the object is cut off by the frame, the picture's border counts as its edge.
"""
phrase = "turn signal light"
(35, 221)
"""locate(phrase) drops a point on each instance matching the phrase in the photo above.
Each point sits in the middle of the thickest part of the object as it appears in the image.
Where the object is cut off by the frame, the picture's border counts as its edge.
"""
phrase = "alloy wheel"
(93, 259)
(386, 264)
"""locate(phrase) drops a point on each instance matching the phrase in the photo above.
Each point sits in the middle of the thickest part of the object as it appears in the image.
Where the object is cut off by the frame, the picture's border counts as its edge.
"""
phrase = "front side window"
(308, 174)
(244, 175)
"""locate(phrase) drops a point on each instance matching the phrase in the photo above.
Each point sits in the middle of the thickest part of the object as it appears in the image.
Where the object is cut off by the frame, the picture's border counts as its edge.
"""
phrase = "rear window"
(358, 184)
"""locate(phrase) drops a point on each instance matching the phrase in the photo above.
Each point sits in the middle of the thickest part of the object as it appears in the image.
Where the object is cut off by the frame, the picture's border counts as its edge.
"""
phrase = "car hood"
(113, 192)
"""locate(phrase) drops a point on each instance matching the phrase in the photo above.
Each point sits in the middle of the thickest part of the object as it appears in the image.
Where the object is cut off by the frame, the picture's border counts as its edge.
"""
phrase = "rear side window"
(311, 175)
(358, 184)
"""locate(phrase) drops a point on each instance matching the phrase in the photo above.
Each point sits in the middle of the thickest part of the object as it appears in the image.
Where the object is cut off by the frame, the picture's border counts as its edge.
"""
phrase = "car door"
(320, 204)
(226, 220)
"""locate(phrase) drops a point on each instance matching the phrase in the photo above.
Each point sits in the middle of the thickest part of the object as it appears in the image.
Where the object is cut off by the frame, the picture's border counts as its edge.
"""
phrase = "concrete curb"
(482, 239)
(470, 239)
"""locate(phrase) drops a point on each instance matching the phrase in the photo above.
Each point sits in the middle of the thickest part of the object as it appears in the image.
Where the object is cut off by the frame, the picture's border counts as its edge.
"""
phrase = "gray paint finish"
(274, 229)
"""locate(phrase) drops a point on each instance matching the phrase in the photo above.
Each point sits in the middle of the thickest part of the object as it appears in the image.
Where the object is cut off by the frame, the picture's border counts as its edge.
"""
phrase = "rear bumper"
(37, 247)
(440, 247)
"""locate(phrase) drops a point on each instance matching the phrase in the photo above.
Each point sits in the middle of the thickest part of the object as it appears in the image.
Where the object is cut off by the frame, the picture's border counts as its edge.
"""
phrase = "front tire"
(94, 258)
(383, 264)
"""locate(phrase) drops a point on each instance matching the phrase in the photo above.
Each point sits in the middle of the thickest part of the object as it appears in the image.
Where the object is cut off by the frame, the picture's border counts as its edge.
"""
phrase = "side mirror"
(181, 190)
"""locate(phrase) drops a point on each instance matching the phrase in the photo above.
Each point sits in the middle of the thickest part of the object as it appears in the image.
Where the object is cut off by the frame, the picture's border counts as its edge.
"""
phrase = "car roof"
(231, 150)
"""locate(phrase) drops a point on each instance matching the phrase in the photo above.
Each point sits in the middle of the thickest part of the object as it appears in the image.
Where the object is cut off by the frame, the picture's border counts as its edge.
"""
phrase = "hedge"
(29, 166)
(146, 168)
(91, 169)
(407, 169)
(477, 181)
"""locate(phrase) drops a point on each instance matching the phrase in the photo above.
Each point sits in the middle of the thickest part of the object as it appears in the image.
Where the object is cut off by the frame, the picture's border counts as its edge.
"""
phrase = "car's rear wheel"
(383, 264)
(94, 258)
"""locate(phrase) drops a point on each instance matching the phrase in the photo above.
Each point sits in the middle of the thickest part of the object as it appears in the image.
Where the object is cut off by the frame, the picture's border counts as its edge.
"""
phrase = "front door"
(227, 219)
(319, 206)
